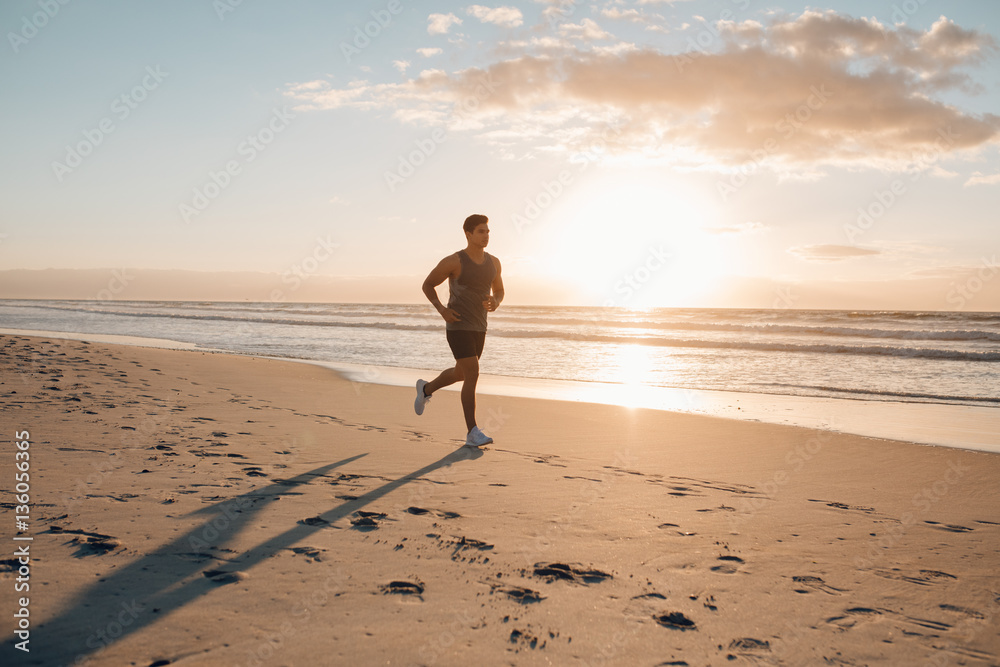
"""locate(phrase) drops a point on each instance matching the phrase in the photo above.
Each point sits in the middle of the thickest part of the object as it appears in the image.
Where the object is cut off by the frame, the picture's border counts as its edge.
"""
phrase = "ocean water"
(914, 357)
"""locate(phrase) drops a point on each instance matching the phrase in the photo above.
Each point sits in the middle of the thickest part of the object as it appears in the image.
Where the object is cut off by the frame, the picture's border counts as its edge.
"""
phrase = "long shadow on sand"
(165, 580)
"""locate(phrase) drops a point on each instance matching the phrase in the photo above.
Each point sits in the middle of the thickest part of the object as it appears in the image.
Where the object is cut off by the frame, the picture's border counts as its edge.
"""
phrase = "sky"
(631, 153)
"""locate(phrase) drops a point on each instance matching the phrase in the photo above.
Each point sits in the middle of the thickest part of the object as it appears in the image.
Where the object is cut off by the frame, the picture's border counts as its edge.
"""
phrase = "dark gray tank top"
(469, 290)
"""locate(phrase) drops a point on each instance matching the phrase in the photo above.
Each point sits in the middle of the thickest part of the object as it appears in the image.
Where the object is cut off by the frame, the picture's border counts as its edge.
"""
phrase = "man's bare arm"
(497, 286)
(447, 267)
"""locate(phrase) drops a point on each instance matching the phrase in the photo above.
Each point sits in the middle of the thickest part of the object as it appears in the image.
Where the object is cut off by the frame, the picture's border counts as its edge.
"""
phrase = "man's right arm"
(447, 267)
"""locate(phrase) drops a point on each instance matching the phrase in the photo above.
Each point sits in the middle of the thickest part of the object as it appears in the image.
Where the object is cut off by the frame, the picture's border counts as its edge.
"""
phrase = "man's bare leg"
(469, 368)
(465, 370)
(445, 378)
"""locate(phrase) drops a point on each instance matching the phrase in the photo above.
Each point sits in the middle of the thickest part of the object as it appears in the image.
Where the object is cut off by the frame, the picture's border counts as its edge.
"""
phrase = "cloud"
(795, 95)
(401, 65)
(587, 30)
(428, 52)
(439, 24)
(505, 17)
(616, 14)
(831, 253)
(979, 178)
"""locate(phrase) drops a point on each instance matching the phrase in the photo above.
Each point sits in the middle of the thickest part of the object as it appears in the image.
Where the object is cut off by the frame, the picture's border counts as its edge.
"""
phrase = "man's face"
(480, 236)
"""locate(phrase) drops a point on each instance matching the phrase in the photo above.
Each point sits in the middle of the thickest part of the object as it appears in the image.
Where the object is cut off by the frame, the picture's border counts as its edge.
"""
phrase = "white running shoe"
(422, 398)
(477, 438)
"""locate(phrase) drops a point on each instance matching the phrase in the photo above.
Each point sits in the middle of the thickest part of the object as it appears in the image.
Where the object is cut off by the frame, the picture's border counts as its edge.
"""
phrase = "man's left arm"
(497, 287)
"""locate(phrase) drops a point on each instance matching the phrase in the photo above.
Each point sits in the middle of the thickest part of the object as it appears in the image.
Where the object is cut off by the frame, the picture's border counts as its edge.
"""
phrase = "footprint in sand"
(809, 583)
(949, 527)
(95, 544)
(525, 639)
(844, 506)
(971, 613)
(223, 577)
(675, 620)
(729, 565)
(517, 593)
(853, 616)
(682, 533)
(415, 589)
(444, 514)
(749, 645)
(367, 521)
(682, 491)
(467, 544)
(312, 554)
(923, 578)
(314, 521)
(720, 508)
(574, 573)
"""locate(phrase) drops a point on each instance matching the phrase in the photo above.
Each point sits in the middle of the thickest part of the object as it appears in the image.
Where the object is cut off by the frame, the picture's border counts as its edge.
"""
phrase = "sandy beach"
(192, 508)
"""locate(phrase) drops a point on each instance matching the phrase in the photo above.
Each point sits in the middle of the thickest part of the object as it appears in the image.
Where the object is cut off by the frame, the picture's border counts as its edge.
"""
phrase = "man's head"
(477, 229)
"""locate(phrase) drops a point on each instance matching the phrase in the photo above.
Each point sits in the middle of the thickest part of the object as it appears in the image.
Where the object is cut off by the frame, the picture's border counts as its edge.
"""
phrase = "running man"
(475, 288)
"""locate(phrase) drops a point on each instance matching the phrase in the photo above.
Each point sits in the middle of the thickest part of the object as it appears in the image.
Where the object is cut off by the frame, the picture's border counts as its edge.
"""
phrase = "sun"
(638, 242)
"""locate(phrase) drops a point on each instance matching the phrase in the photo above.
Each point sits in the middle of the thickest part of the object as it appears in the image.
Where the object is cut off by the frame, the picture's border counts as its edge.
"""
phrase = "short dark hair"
(474, 221)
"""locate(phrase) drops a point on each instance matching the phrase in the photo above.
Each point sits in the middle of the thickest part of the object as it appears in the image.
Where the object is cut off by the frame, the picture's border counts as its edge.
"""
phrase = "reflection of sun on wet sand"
(204, 509)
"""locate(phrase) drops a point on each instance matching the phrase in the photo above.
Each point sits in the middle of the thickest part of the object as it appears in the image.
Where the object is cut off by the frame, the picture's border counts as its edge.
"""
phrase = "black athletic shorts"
(466, 343)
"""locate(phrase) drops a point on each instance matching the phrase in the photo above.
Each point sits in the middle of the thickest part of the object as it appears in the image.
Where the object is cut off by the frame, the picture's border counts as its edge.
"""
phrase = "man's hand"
(449, 314)
(491, 304)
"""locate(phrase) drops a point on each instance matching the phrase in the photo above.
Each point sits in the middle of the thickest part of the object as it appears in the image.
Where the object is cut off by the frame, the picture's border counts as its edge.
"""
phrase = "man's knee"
(468, 368)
